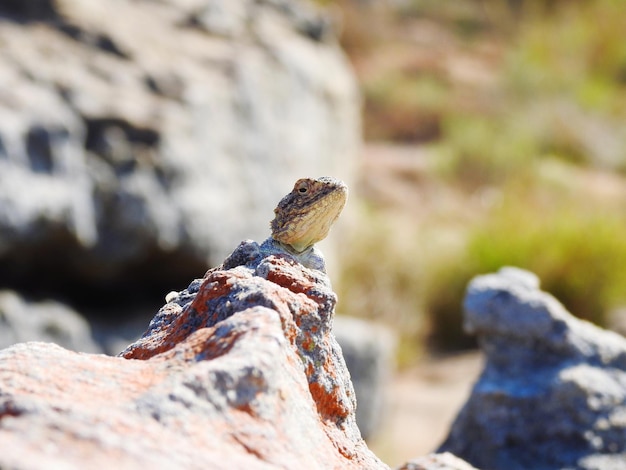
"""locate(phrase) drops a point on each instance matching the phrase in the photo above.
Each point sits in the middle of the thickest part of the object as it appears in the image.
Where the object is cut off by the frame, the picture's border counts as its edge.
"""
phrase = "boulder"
(141, 135)
(552, 394)
(369, 352)
(22, 320)
(239, 370)
(444, 461)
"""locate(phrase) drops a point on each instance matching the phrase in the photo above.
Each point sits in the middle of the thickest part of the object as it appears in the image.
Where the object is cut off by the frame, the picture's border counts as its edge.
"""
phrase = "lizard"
(301, 219)
(304, 216)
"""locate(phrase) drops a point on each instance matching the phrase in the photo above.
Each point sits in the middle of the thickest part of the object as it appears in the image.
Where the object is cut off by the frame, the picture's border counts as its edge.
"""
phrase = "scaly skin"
(304, 216)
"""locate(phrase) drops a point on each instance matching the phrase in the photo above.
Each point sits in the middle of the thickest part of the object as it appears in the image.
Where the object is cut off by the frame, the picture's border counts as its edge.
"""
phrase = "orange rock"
(238, 371)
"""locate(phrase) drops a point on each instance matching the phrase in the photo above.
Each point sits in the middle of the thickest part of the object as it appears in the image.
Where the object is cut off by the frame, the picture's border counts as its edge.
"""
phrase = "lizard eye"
(303, 188)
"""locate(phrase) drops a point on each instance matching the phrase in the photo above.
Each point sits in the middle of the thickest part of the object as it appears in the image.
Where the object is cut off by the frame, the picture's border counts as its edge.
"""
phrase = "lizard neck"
(310, 258)
(291, 249)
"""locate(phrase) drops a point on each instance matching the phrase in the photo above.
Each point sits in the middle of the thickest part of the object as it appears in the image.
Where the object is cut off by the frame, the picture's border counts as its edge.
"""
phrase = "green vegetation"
(578, 252)
(391, 104)
(383, 281)
(524, 113)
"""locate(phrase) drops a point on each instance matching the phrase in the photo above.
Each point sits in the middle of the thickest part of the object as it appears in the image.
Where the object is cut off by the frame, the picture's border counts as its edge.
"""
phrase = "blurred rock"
(445, 461)
(553, 391)
(369, 350)
(240, 370)
(616, 320)
(137, 135)
(49, 321)
(115, 336)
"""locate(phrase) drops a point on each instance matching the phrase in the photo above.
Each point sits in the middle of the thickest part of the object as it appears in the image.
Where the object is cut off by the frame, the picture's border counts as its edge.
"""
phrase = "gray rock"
(238, 371)
(49, 321)
(369, 353)
(135, 135)
(445, 461)
(553, 391)
(616, 320)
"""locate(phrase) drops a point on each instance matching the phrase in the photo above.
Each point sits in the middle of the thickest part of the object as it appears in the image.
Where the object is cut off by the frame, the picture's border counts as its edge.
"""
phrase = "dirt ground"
(422, 404)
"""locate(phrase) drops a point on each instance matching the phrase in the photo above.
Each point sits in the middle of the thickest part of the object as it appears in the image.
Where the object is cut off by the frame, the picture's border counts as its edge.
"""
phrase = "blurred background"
(141, 140)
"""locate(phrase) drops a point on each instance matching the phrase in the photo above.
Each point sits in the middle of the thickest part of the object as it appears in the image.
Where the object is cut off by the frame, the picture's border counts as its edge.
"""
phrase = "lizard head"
(304, 216)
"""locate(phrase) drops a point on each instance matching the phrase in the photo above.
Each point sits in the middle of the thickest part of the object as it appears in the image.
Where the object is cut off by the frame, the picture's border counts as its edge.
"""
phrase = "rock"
(553, 391)
(137, 135)
(445, 461)
(42, 321)
(115, 336)
(240, 370)
(368, 350)
(616, 320)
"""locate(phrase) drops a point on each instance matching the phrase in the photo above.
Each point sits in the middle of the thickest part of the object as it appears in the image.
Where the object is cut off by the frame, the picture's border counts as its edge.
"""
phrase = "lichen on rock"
(259, 275)
(239, 370)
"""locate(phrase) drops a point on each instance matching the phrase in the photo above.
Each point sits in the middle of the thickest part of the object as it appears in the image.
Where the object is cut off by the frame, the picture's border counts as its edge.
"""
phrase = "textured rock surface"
(136, 134)
(42, 321)
(553, 391)
(369, 352)
(240, 370)
(445, 461)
